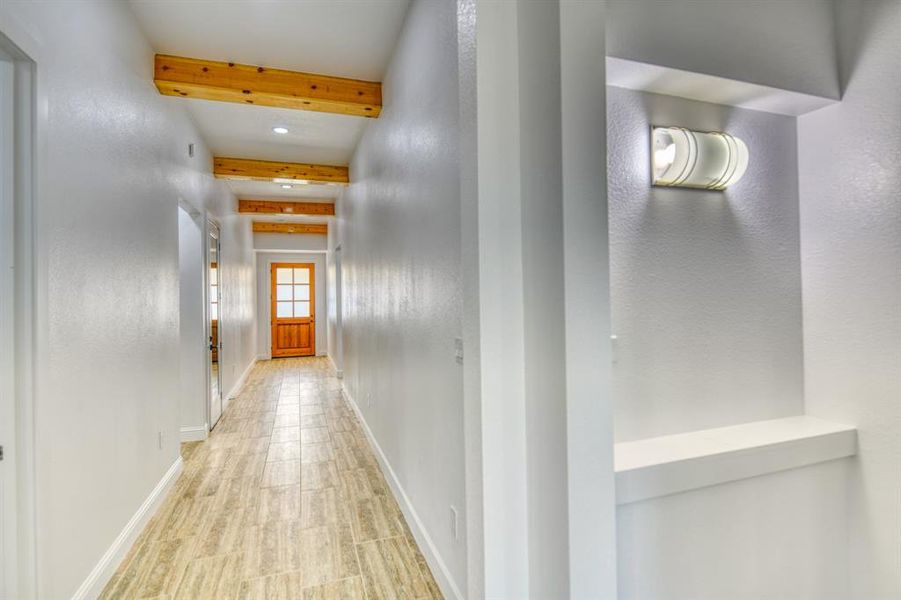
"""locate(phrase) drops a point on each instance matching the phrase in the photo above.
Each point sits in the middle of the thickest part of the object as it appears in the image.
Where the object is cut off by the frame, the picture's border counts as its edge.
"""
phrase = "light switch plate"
(455, 523)
(458, 350)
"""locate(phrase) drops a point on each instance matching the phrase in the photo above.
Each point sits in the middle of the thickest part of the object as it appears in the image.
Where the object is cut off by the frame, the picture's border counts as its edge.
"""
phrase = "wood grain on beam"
(265, 227)
(248, 84)
(267, 170)
(325, 209)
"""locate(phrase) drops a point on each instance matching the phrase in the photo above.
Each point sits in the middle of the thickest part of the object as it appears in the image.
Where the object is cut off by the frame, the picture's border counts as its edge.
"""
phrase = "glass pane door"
(214, 296)
(292, 292)
(293, 309)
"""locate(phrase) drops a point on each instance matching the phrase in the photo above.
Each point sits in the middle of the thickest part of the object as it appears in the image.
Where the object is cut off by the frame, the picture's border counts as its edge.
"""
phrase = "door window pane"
(301, 292)
(283, 292)
(283, 310)
(283, 275)
(301, 276)
(214, 292)
(301, 309)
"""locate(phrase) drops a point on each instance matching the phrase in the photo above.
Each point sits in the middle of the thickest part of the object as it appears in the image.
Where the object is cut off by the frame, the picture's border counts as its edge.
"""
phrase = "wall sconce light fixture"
(696, 159)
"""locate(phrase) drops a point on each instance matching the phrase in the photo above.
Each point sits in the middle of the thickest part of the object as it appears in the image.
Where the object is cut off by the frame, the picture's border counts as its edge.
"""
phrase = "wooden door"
(293, 309)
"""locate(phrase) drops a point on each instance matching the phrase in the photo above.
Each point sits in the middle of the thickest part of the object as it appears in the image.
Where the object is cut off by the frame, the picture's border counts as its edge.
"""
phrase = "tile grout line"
(403, 534)
(218, 467)
(353, 534)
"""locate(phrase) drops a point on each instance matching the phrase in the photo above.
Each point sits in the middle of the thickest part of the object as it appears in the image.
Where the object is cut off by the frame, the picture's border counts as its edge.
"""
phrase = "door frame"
(211, 225)
(272, 300)
(339, 315)
(19, 293)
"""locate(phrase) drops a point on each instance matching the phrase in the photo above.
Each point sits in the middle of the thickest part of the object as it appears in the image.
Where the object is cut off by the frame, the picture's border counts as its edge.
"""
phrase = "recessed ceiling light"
(287, 187)
(280, 130)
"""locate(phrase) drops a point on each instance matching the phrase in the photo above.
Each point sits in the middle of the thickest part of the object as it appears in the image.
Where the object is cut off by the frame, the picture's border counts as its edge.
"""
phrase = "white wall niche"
(658, 79)
(677, 463)
(713, 448)
(705, 286)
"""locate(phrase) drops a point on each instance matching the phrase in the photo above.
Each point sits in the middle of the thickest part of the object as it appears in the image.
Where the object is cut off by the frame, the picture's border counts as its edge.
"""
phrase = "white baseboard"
(101, 574)
(239, 385)
(338, 372)
(443, 577)
(196, 433)
(263, 357)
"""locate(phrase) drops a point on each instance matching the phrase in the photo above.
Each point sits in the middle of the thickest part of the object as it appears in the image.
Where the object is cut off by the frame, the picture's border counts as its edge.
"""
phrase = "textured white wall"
(192, 330)
(781, 536)
(851, 260)
(399, 226)
(706, 286)
(333, 299)
(113, 166)
(237, 306)
(706, 299)
(786, 44)
(264, 298)
(306, 242)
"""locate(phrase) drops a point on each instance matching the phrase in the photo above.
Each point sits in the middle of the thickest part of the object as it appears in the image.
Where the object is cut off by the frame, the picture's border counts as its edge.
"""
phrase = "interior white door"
(339, 310)
(215, 338)
(7, 336)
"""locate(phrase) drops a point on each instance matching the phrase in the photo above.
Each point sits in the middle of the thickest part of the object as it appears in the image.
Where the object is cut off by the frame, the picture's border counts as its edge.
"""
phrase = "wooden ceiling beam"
(262, 86)
(266, 227)
(267, 170)
(279, 207)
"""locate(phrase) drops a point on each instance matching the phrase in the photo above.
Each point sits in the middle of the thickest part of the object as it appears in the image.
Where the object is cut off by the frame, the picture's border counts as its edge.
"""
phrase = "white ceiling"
(291, 219)
(264, 190)
(242, 131)
(344, 38)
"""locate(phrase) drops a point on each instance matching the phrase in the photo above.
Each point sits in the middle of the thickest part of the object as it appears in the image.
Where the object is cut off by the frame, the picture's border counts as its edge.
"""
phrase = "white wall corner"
(339, 373)
(100, 575)
(239, 385)
(443, 577)
(587, 324)
(194, 433)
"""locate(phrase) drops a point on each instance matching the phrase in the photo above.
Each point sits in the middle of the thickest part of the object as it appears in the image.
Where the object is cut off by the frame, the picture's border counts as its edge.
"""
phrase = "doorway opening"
(338, 359)
(293, 309)
(215, 331)
(17, 323)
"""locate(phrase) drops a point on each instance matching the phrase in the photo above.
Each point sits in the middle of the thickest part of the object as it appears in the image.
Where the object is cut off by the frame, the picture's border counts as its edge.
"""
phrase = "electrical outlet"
(191, 150)
(369, 400)
(458, 350)
(455, 523)
(160, 438)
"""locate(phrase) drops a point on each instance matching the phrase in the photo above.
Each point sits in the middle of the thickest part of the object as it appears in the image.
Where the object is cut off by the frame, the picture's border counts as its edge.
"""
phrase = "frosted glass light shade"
(696, 159)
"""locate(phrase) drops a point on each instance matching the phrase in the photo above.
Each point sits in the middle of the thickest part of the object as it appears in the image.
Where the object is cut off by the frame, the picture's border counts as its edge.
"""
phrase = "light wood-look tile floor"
(284, 500)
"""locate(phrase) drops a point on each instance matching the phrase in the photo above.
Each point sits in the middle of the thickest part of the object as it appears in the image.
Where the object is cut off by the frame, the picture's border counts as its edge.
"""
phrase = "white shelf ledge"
(657, 79)
(677, 463)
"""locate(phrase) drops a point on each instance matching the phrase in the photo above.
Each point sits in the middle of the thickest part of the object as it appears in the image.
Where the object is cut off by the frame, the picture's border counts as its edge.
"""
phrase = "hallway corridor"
(284, 500)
